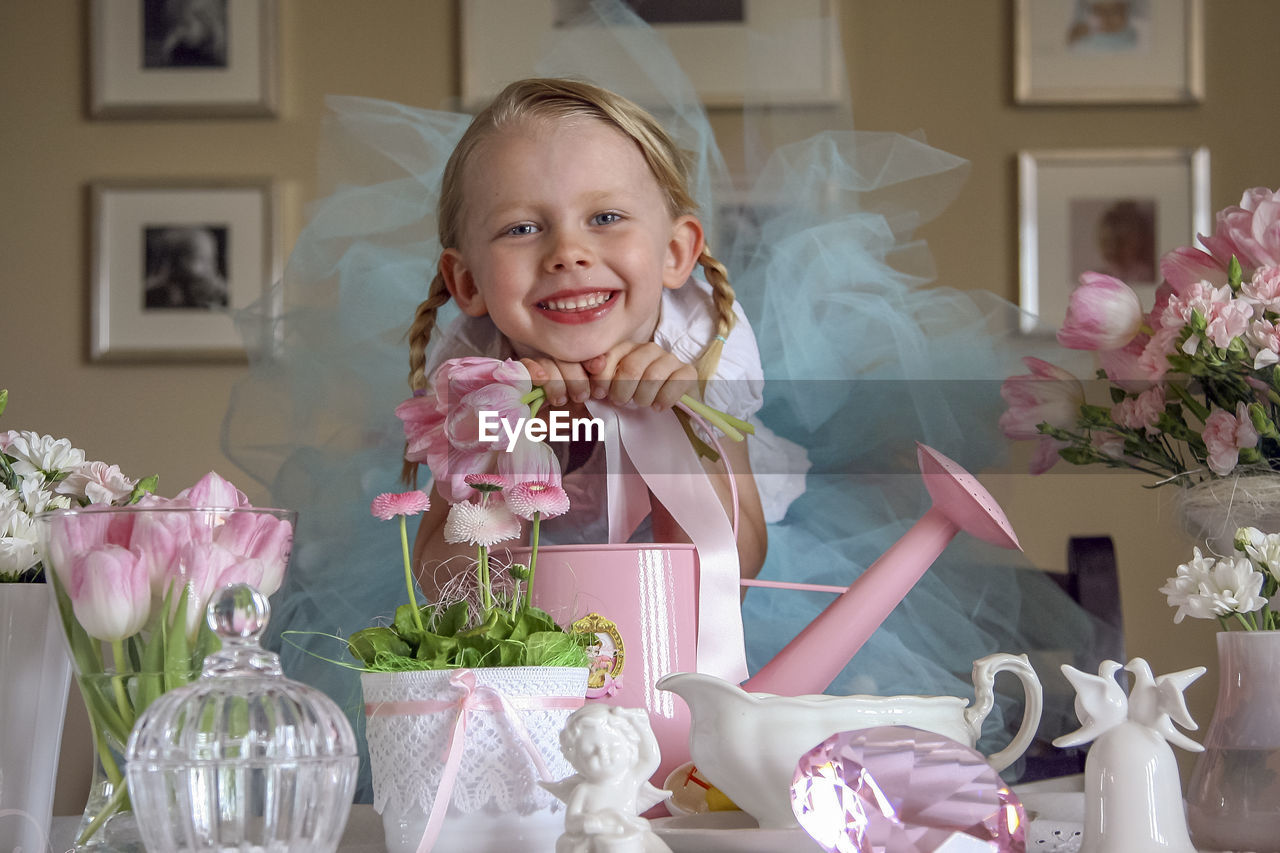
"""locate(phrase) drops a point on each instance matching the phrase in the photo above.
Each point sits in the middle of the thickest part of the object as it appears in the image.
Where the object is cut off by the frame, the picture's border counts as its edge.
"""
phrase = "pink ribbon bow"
(472, 698)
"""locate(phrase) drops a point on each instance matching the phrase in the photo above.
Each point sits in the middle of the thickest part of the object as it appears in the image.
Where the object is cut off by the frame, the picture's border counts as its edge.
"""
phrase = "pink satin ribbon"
(472, 698)
(647, 451)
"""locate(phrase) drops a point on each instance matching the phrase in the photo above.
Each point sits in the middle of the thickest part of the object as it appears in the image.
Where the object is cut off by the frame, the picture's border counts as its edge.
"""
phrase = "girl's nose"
(568, 252)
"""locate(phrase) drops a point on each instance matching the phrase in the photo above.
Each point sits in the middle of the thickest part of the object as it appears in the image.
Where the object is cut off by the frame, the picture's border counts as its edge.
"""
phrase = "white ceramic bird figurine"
(1158, 703)
(1100, 703)
(1133, 794)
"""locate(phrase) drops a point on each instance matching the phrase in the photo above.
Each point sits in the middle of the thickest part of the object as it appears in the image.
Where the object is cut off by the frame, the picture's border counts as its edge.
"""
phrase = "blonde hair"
(546, 98)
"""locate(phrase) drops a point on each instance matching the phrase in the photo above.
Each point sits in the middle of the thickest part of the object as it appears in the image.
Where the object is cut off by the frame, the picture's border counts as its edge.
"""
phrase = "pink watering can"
(641, 600)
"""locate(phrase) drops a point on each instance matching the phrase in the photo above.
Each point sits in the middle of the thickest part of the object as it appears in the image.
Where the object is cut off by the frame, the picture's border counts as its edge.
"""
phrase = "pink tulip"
(529, 462)
(211, 492)
(462, 424)
(423, 424)
(1104, 314)
(1048, 394)
(203, 565)
(458, 377)
(110, 592)
(158, 538)
(1225, 435)
(1250, 232)
(260, 537)
(1186, 266)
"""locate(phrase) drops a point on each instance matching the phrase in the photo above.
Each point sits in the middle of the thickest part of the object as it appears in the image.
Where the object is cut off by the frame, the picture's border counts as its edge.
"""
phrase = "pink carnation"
(1264, 340)
(388, 505)
(1141, 412)
(1264, 287)
(1225, 435)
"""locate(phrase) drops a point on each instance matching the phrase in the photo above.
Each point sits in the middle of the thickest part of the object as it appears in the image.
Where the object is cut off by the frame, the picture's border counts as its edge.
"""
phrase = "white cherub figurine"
(615, 753)
(1131, 775)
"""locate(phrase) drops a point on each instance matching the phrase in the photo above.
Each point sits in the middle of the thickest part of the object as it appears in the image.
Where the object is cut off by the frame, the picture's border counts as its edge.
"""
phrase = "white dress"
(685, 326)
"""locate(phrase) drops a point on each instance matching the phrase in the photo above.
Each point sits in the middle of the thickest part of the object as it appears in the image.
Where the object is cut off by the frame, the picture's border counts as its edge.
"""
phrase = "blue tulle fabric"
(862, 360)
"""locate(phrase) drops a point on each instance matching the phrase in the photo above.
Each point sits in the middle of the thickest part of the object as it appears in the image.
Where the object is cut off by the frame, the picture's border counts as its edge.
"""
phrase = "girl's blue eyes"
(526, 228)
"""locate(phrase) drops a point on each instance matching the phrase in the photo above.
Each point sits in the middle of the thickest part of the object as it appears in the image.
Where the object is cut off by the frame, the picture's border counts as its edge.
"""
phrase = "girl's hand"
(642, 374)
(563, 381)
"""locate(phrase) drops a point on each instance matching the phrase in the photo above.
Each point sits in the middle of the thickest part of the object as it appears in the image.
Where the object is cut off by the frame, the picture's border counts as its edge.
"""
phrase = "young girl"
(569, 237)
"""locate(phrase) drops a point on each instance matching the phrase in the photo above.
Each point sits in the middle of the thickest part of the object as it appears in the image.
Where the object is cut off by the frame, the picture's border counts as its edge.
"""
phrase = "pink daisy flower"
(546, 499)
(388, 505)
(482, 524)
(486, 482)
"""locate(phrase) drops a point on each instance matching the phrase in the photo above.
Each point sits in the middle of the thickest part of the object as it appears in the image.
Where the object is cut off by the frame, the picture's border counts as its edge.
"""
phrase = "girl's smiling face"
(566, 241)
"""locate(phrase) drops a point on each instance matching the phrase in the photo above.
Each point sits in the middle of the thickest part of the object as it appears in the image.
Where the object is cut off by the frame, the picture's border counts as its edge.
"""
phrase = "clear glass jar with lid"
(243, 759)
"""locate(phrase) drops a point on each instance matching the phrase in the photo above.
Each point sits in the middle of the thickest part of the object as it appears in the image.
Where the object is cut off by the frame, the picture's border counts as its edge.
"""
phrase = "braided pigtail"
(722, 296)
(424, 322)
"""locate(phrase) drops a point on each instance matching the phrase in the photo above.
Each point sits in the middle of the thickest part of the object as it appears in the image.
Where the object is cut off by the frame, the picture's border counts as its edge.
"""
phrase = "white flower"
(97, 482)
(1262, 548)
(32, 452)
(484, 524)
(16, 555)
(1206, 589)
(36, 498)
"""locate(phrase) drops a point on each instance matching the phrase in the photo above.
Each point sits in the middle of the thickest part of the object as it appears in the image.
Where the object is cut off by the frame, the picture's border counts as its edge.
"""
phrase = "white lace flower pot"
(473, 740)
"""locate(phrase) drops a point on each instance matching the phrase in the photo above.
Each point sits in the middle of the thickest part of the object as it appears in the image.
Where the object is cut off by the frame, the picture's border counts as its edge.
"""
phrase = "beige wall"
(943, 67)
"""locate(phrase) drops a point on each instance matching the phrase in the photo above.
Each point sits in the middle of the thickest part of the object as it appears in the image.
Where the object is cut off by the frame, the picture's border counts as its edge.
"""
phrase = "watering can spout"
(810, 662)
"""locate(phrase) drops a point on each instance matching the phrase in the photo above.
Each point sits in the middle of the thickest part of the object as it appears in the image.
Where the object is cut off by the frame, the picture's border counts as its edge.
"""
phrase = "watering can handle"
(984, 677)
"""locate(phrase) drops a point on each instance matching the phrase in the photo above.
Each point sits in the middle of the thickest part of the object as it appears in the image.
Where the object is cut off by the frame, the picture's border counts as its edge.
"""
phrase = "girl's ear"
(461, 283)
(683, 251)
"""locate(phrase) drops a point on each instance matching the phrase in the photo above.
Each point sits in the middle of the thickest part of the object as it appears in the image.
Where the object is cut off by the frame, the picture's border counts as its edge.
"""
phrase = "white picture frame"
(172, 261)
(1115, 211)
(502, 41)
(1067, 54)
(146, 60)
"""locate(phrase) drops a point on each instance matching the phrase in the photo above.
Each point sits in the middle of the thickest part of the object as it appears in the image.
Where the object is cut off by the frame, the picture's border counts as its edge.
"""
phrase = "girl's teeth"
(578, 303)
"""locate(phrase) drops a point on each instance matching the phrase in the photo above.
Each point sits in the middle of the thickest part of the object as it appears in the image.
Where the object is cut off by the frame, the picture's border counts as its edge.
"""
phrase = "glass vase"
(130, 586)
(1233, 800)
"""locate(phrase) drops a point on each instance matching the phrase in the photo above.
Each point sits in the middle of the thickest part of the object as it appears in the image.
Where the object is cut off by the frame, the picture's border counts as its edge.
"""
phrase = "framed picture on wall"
(1109, 211)
(182, 58)
(794, 47)
(1108, 51)
(172, 261)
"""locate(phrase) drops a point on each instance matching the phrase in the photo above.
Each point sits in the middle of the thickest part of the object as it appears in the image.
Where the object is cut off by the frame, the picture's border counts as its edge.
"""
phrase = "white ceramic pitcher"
(748, 744)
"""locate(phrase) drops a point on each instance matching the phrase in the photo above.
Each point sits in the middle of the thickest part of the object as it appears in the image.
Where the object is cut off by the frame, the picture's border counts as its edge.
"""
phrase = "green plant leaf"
(452, 620)
(367, 644)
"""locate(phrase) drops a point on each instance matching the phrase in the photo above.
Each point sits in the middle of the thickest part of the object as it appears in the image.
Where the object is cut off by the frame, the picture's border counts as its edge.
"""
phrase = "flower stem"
(483, 566)
(533, 551)
(408, 574)
(117, 682)
(112, 806)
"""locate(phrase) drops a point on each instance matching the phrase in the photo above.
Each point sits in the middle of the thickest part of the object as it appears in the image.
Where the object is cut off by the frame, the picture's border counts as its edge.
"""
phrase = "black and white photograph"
(173, 261)
(1112, 211)
(182, 58)
(186, 267)
(184, 33)
(1108, 51)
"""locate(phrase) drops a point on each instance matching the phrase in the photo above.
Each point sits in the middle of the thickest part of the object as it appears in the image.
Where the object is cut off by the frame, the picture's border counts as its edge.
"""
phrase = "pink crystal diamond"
(900, 789)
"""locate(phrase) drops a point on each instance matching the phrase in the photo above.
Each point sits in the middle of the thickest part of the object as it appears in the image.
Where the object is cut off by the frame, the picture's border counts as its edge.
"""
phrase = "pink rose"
(1225, 435)
(1104, 314)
